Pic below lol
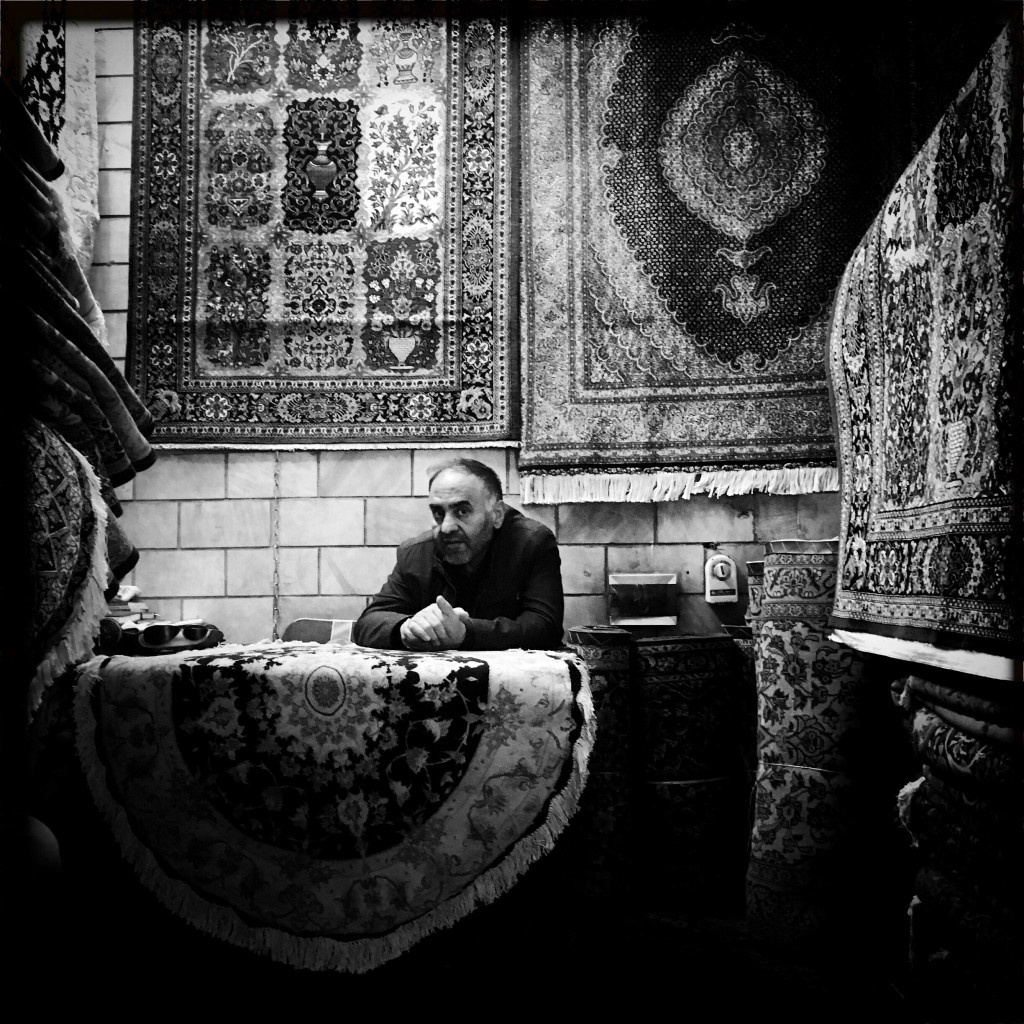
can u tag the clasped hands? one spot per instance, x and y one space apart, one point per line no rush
439 626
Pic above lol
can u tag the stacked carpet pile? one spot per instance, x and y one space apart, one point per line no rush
965 814
694 753
814 790
601 837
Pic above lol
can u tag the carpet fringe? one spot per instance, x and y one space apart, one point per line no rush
556 489
903 801
78 638
355 956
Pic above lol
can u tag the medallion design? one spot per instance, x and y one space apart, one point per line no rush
741 148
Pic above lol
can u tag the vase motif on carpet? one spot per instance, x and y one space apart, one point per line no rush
322 231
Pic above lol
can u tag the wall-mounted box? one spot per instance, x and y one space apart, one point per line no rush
642 598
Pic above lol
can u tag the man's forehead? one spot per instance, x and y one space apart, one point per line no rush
452 486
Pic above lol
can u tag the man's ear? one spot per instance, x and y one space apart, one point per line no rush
498 514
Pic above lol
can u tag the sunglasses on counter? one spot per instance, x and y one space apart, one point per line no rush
161 633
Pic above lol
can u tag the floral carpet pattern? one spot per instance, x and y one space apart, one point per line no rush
925 358
321 228
330 805
686 200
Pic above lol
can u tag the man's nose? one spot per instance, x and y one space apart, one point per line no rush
449 524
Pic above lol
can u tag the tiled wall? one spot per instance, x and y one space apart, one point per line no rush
205 522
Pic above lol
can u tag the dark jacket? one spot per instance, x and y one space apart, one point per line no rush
518 591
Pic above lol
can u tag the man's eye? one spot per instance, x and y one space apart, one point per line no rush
438 516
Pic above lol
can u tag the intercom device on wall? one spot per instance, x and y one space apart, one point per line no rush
720 582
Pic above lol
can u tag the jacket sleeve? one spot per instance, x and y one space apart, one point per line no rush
379 622
538 626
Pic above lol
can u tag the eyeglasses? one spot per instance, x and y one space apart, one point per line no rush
164 632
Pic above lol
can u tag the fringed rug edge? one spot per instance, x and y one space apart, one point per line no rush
356 956
669 485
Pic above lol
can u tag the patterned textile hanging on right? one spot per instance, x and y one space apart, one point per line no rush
925 371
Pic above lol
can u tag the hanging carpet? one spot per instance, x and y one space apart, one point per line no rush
321 228
925 356
690 197
329 806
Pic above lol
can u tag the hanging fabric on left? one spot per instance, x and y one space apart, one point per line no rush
58 86
321 227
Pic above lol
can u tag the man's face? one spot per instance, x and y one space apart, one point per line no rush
465 516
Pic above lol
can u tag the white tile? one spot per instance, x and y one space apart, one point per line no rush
701 518
109 285
321 522
582 569
114 98
115 50
115 193
370 474
164 607
126 491
151 524
590 610
242 620
182 475
602 522
250 572
180 573
389 521
355 570
117 333
112 242
298 570
235 523
546 514
115 146
250 474
298 474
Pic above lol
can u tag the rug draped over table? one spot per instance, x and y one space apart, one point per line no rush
331 805
688 199
321 229
925 357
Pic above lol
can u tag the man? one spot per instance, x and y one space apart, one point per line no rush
485 578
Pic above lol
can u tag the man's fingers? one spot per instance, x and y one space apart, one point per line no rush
421 628
462 614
